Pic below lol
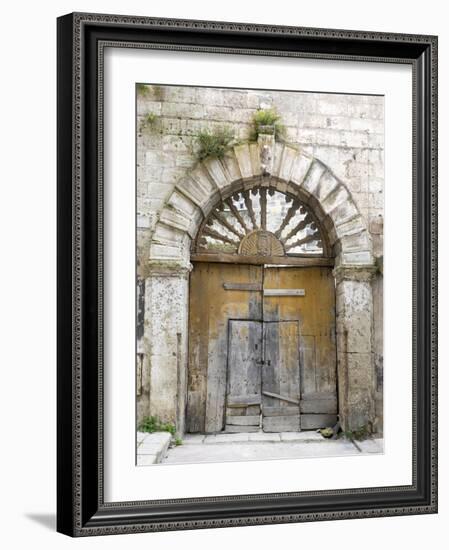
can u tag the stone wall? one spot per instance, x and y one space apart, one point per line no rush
343 131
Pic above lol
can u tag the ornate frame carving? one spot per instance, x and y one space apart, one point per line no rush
81 41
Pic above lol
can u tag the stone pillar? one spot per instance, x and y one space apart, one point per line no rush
165 339
378 348
355 365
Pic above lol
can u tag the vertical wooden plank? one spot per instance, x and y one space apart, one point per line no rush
281 376
326 367
216 373
308 364
244 361
289 382
271 368
198 350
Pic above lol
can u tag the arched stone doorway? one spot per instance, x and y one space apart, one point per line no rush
346 249
262 339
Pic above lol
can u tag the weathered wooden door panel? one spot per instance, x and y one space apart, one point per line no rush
290 423
244 360
280 377
211 306
307 353
298 306
319 403
244 377
314 421
315 311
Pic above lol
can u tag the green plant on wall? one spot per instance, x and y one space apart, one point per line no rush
214 144
151 424
149 121
267 121
142 89
150 91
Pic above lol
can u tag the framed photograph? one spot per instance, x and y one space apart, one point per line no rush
247 274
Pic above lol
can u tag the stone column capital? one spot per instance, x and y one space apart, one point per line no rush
157 268
361 273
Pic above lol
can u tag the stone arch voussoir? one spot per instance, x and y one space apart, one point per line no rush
277 165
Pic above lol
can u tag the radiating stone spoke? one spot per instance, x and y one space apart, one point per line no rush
304 240
221 219
249 207
291 212
219 237
237 215
298 227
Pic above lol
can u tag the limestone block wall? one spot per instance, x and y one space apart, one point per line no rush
344 132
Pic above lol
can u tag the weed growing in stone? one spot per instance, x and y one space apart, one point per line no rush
356 435
267 121
142 89
214 144
153 424
148 121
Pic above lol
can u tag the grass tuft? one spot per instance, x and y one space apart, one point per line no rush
151 424
267 121
214 144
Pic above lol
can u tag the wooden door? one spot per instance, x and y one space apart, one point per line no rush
297 307
281 377
243 396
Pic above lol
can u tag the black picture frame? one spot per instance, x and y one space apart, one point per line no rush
81 510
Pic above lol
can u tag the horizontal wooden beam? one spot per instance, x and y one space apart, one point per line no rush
299 261
280 411
281 397
242 286
319 406
243 400
243 420
284 292
281 423
266 291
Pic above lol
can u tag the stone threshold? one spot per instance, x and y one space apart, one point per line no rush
226 447
253 437
373 443
152 447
